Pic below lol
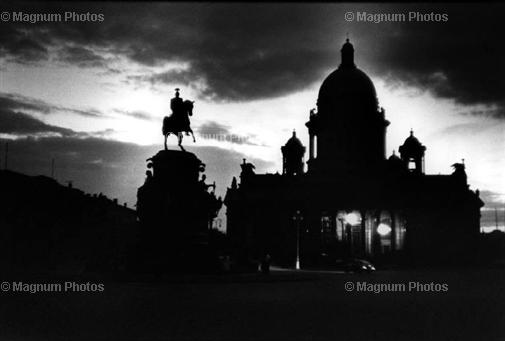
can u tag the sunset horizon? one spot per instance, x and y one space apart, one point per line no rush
95 102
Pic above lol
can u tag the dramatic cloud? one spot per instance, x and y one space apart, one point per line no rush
234 52
19 45
82 57
18 123
250 51
15 102
140 115
176 76
483 126
458 59
15 121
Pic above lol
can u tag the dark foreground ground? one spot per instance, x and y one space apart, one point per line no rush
281 306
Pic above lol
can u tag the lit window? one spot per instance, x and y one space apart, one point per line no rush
412 165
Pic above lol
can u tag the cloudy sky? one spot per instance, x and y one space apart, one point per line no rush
92 94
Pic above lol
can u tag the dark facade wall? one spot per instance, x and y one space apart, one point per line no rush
441 220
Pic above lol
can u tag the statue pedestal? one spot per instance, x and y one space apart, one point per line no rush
176 167
175 210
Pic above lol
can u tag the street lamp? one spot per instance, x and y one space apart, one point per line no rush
352 218
383 229
297 217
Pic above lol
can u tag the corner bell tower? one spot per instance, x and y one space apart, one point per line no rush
412 154
292 156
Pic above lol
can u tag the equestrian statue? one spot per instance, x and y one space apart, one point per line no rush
178 122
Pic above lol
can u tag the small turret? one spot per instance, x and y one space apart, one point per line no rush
292 156
412 154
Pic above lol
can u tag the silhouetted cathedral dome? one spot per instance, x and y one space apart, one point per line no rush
347 85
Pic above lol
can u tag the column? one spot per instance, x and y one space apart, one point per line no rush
333 224
311 146
363 232
393 230
375 236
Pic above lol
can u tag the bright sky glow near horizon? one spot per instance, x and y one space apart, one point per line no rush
107 81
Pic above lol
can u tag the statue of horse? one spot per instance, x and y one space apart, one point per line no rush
178 123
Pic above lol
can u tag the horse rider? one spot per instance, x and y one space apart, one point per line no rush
177 106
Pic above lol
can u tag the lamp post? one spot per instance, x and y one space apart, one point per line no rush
297 217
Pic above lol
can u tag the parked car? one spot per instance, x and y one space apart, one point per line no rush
355 265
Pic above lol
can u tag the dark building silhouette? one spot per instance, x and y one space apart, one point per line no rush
352 201
176 212
46 227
